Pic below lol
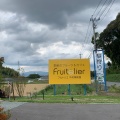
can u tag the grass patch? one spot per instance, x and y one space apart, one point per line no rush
113 77
63 89
67 99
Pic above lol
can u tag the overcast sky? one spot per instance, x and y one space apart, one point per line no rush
34 31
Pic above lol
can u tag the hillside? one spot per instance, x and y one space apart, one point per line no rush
41 73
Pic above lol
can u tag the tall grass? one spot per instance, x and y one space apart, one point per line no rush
113 77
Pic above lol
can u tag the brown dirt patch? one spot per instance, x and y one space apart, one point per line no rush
31 88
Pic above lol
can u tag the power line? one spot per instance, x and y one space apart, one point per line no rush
99 13
87 30
90 35
97 7
89 56
89 38
105 8
110 5
81 50
86 36
101 8
93 20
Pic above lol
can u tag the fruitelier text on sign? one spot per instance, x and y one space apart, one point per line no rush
69 71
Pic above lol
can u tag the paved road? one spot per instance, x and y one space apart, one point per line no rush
113 83
36 111
10 105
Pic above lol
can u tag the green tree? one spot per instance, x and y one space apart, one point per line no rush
92 74
97 36
33 76
109 40
1 61
9 72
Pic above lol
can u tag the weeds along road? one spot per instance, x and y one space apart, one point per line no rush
113 83
38 111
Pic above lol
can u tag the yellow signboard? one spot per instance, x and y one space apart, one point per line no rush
69 71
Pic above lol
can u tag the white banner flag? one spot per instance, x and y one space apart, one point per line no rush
99 66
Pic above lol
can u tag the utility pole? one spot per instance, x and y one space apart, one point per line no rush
94 20
80 55
84 86
18 65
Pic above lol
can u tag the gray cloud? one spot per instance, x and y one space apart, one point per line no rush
34 31
51 12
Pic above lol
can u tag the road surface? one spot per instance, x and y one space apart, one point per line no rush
39 111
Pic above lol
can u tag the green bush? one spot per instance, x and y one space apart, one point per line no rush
114 88
4 115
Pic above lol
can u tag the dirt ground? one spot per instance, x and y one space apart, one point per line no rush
31 88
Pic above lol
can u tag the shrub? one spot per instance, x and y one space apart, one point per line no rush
4 115
114 88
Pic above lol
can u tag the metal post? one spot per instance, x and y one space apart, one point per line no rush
9 89
95 72
43 94
84 84
54 90
104 73
85 91
94 27
13 91
95 47
69 91
80 55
